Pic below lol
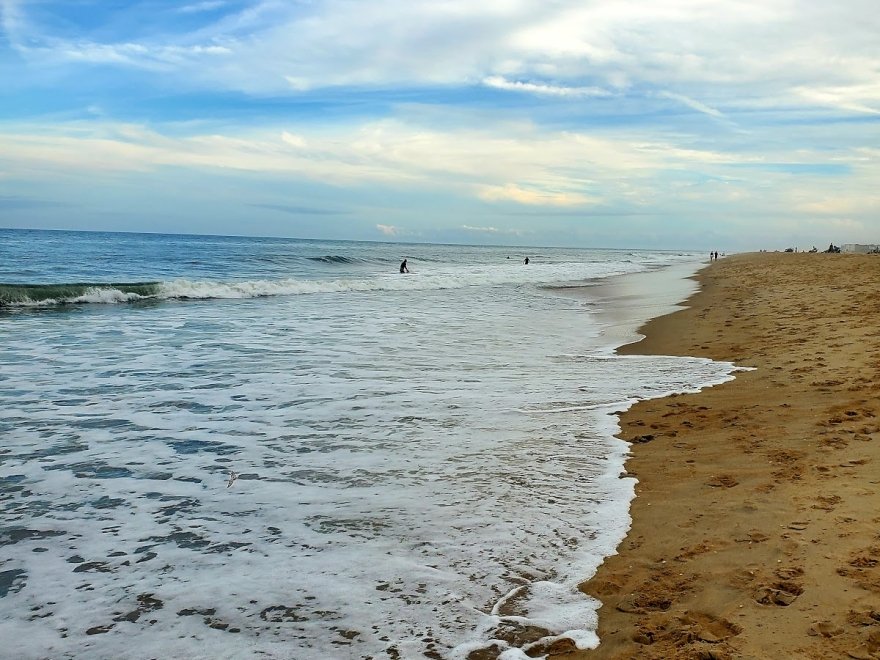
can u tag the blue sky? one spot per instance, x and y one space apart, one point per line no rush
728 125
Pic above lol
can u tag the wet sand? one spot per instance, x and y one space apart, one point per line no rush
756 526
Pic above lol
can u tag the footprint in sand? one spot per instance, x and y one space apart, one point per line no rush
778 593
709 628
825 629
784 591
722 481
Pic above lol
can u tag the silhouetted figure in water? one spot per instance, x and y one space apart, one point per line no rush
526 261
403 268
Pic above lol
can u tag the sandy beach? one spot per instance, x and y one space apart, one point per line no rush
755 526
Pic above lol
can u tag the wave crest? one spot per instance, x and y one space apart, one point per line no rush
30 295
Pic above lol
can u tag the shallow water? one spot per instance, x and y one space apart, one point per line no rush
419 462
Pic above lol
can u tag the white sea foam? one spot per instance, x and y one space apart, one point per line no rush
405 464
432 277
105 296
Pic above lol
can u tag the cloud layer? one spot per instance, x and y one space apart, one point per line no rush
688 112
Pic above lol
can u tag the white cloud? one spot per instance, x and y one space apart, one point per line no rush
547 169
751 52
783 73
298 84
532 197
858 98
837 206
499 82
491 230
481 170
296 141
692 103
134 54
539 167
12 17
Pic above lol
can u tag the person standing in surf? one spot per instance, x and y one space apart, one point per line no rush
403 268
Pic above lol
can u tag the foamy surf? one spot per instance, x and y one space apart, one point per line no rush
31 295
24 295
423 463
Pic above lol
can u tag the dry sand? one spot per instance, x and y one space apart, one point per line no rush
756 526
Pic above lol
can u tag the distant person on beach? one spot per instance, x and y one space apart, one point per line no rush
716 255
526 261
403 268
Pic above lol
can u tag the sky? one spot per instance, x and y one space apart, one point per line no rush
723 125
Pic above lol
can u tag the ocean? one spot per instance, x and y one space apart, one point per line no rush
227 447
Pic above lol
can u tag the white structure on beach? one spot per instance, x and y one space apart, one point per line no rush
859 248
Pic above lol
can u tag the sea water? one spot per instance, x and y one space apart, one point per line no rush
287 449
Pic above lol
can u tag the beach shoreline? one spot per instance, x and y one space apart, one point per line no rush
753 530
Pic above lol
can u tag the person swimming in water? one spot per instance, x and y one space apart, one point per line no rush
526 261
403 268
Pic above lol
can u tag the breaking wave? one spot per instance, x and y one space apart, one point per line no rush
25 295
37 295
